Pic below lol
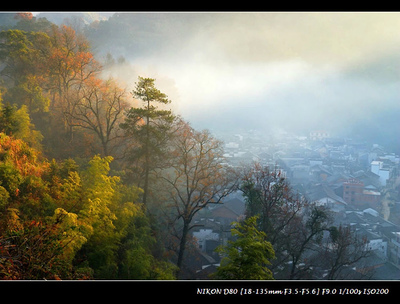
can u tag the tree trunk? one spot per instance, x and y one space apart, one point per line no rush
147 156
146 183
182 245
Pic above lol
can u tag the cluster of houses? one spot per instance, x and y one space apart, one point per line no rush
358 182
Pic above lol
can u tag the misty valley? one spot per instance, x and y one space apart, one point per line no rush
199 146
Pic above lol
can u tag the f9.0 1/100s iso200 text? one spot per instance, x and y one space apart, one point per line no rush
336 291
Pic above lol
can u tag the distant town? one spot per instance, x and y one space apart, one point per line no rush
358 182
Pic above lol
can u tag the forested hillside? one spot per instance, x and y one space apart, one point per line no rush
98 181
87 180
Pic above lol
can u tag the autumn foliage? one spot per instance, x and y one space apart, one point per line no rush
63 214
57 222
91 187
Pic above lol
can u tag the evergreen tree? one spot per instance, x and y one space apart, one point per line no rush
248 256
150 128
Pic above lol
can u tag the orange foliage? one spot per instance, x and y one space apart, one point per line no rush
27 16
24 158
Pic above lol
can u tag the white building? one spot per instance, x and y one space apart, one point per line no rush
395 248
376 243
204 235
319 135
377 168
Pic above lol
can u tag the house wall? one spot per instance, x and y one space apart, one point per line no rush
394 248
378 245
203 235
330 203
352 191
377 168
383 176
355 194
318 135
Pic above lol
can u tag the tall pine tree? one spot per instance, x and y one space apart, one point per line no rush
150 129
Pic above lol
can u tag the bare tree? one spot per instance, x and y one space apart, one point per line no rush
100 109
344 248
268 195
306 232
196 178
292 224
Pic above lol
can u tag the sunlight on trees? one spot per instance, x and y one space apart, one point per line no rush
92 187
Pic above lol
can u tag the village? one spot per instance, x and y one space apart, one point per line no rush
358 182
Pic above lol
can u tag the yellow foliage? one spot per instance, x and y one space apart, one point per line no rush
68 225
13 223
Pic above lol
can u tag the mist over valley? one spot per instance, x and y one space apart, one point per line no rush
200 145
296 71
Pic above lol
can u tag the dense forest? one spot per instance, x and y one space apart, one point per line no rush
87 180
97 182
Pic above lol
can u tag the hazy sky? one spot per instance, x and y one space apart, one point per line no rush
303 71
